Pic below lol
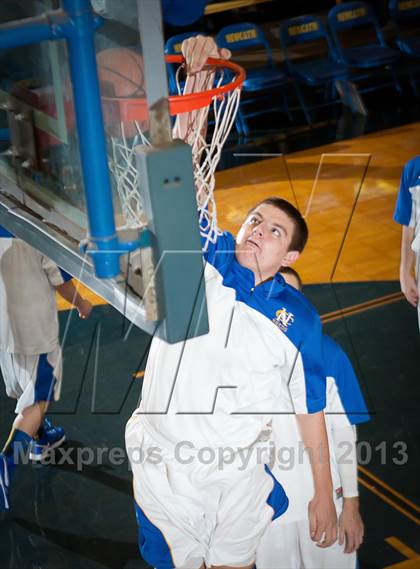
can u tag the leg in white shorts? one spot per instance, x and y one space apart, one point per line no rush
187 516
31 379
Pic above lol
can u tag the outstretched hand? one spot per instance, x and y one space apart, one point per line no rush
197 49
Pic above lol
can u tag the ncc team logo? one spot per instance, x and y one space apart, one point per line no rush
283 319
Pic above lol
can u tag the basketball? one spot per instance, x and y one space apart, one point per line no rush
121 74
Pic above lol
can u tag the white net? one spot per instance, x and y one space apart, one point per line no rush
125 176
208 130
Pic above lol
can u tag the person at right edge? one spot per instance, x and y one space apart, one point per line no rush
407 214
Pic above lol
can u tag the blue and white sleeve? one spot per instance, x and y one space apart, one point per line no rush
403 207
220 253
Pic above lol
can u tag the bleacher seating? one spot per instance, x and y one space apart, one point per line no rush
360 44
405 15
305 67
265 84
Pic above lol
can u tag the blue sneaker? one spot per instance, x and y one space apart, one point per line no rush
51 438
4 484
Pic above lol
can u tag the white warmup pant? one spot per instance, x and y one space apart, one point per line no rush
30 379
188 515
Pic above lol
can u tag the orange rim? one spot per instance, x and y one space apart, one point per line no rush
136 109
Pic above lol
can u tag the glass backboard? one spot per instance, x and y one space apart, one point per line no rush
42 182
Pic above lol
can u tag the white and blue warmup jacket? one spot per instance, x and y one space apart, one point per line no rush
216 393
261 357
407 209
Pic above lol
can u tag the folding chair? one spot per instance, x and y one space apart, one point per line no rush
405 16
371 56
312 71
260 81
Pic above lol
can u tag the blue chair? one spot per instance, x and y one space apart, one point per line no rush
405 16
306 69
371 56
260 81
173 47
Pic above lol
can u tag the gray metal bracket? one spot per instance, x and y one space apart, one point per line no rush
168 193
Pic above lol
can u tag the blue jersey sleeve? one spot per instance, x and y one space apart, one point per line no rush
409 178
312 360
220 253
338 366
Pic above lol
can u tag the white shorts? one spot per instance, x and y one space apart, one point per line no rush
289 546
188 515
30 379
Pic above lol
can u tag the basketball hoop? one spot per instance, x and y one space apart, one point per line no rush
126 121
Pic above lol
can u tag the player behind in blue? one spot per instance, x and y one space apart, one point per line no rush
287 543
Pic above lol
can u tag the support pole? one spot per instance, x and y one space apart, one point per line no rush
87 103
77 24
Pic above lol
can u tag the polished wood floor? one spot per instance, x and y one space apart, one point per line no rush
347 191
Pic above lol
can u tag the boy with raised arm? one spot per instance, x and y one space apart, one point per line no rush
204 495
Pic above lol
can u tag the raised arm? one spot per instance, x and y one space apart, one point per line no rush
192 128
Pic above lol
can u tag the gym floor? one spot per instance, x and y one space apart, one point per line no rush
78 512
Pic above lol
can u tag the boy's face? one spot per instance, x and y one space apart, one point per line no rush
262 244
